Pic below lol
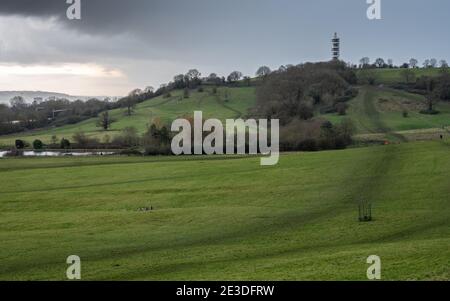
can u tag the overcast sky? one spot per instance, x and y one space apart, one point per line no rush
120 45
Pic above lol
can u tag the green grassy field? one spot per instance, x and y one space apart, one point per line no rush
227 103
228 218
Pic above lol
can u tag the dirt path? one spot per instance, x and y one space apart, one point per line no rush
373 115
223 104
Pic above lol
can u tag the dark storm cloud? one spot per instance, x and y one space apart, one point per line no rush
32 7
173 18
131 29
98 16
158 29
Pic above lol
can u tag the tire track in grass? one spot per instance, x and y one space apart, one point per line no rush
224 105
381 164
374 116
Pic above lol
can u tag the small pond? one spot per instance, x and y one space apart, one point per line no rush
56 153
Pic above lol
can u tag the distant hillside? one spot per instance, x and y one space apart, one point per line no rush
226 103
29 96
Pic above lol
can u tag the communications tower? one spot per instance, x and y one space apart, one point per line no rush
336 47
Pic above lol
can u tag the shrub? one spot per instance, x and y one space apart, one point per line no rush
65 144
131 152
308 145
128 138
341 108
157 141
349 94
157 149
54 140
186 93
37 144
81 139
20 144
405 114
306 111
106 139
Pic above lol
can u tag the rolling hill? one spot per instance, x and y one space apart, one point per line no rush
376 111
227 103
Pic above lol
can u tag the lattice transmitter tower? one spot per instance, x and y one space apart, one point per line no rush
336 47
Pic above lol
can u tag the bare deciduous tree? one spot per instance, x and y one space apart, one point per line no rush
364 61
413 63
104 121
263 71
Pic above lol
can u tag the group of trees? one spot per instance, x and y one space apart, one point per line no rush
299 90
38 144
365 63
155 141
192 79
435 89
20 115
294 94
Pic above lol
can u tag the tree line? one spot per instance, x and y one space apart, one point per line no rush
365 63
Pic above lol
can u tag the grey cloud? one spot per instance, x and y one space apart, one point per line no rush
222 34
32 7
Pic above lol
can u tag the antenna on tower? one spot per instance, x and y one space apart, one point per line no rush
336 42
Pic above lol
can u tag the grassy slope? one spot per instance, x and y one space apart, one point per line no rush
380 110
229 218
239 101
